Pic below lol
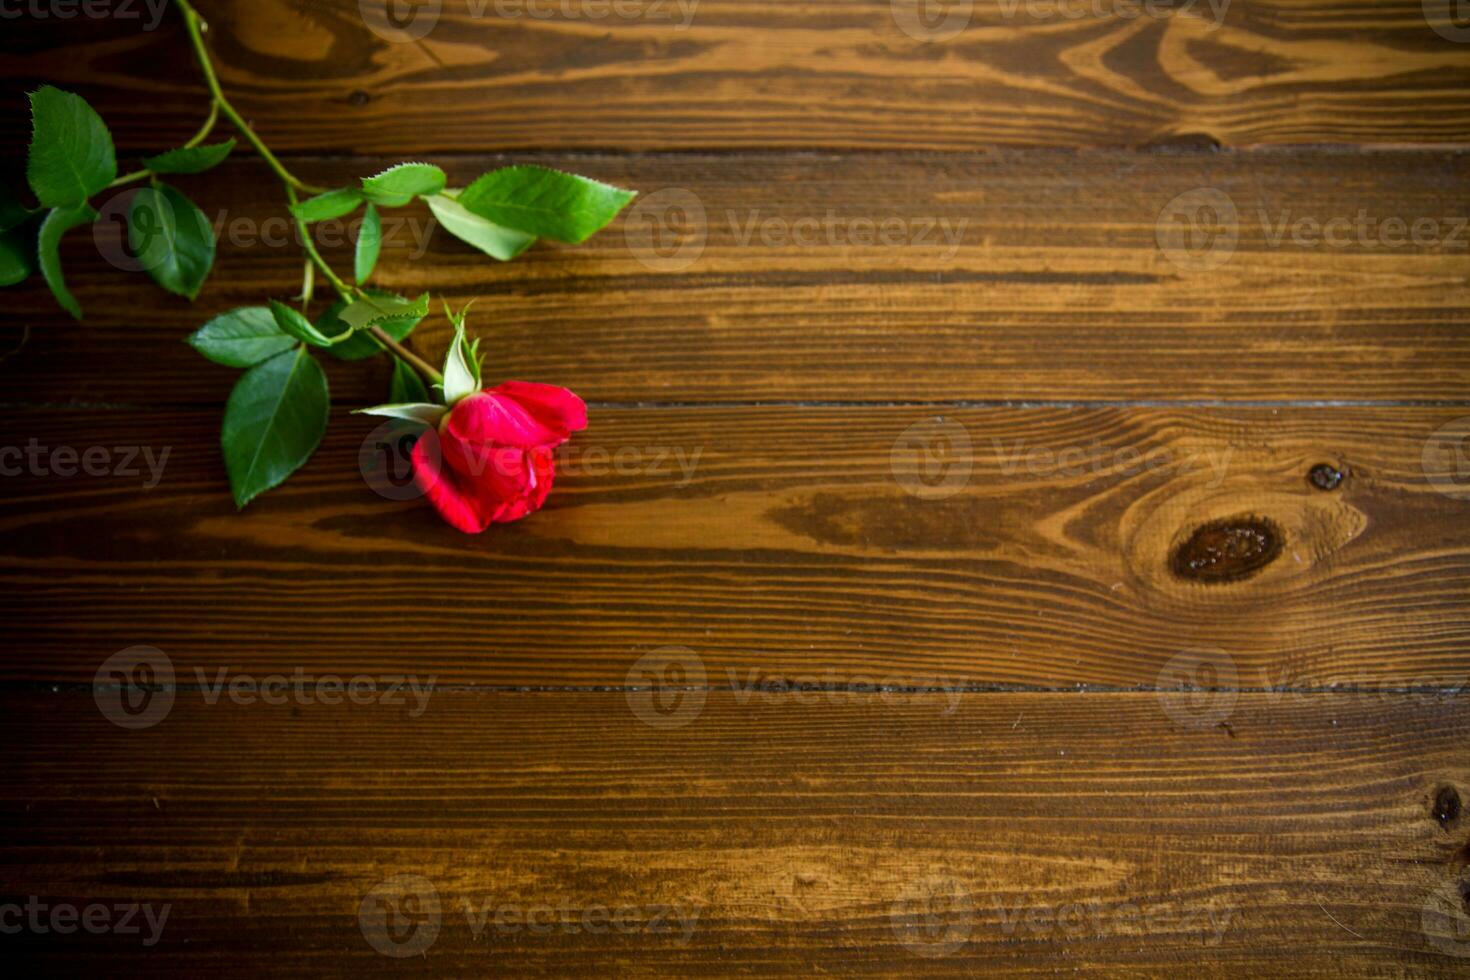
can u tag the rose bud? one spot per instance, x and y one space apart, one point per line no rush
491 458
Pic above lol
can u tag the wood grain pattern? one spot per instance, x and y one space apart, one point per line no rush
839 74
1032 276
892 835
985 558
774 542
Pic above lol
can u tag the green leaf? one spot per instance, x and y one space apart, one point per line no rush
300 327
422 412
172 239
332 204
58 223
274 420
18 249
361 345
545 202
190 159
407 387
369 242
497 242
17 258
375 309
460 379
71 156
242 337
396 186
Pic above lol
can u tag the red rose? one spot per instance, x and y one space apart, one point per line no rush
491 458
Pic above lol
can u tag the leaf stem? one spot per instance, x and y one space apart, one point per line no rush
308 283
308 243
136 175
196 28
194 141
348 293
208 126
418 363
220 104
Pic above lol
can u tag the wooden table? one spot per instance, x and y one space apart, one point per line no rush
1009 537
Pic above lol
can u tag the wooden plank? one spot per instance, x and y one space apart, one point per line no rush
1020 834
776 543
1034 276
841 74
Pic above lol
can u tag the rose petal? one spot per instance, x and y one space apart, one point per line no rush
472 488
557 409
489 420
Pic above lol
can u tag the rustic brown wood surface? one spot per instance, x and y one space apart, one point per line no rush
1022 527
1038 276
1019 833
848 74
778 543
